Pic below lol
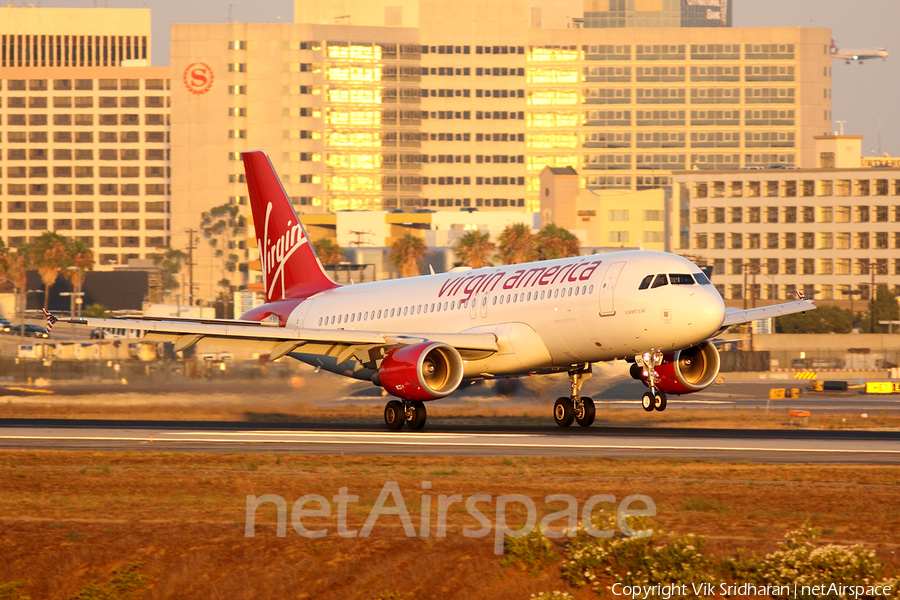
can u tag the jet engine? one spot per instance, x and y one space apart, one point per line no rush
420 372
685 371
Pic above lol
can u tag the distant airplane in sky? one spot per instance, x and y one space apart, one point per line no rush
857 54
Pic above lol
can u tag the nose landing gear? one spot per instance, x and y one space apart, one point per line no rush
654 398
575 408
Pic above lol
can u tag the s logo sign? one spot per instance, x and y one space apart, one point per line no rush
198 78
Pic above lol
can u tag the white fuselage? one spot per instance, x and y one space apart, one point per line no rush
545 314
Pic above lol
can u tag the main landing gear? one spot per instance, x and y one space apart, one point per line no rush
654 398
575 408
397 412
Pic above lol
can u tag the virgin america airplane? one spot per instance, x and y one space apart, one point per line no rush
420 338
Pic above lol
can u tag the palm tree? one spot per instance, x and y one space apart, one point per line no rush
517 244
50 254
406 253
556 242
475 248
328 251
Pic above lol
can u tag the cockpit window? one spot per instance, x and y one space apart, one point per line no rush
645 282
681 279
660 281
702 279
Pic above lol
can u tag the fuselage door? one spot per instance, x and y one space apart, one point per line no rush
608 288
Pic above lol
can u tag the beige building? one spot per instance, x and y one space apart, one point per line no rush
605 218
828 232
85 130
431 104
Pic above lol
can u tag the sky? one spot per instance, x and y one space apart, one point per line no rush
861 93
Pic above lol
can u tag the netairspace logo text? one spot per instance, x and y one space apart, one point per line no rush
830 590
554 525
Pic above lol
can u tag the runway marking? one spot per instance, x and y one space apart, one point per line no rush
31 390
460 444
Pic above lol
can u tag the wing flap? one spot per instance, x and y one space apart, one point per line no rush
189 333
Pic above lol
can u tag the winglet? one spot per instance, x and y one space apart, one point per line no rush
801 295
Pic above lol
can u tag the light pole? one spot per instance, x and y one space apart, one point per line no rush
78 292
852 293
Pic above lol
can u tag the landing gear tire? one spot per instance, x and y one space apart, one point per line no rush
416 416
394 415
563 412
647 401
587 413
659 401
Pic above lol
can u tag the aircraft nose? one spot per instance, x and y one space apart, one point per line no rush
707 310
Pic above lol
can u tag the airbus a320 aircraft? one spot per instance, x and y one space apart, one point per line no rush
420 338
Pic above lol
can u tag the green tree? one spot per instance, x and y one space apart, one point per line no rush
407 254
14 267
220 226
328 251
52 253
825 319
517 245
885 310
169 262
474 249
556 242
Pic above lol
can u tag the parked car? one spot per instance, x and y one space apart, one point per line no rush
30 330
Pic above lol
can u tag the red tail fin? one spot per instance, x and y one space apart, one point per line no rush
289 263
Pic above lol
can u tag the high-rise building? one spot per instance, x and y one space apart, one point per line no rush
85 130
439 105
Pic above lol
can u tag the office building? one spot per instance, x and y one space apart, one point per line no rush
829 233
85 130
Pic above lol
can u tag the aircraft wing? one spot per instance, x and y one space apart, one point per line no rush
736 316
278 341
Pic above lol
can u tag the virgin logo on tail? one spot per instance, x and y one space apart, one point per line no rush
278 251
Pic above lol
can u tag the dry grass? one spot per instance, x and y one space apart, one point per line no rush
68 518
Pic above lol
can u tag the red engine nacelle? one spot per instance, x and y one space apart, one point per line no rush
421 372
686 371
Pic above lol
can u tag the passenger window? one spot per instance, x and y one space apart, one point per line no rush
452 304
542 294
379 314
556 293
681 279
445 306
660 281
419 309
591 290
332 319
405 310
432 307
392 312
339 319
529 296
576 291
352 318
320 320
570 291
494 301
645 282
359 317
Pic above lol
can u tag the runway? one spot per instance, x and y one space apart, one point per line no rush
728 445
